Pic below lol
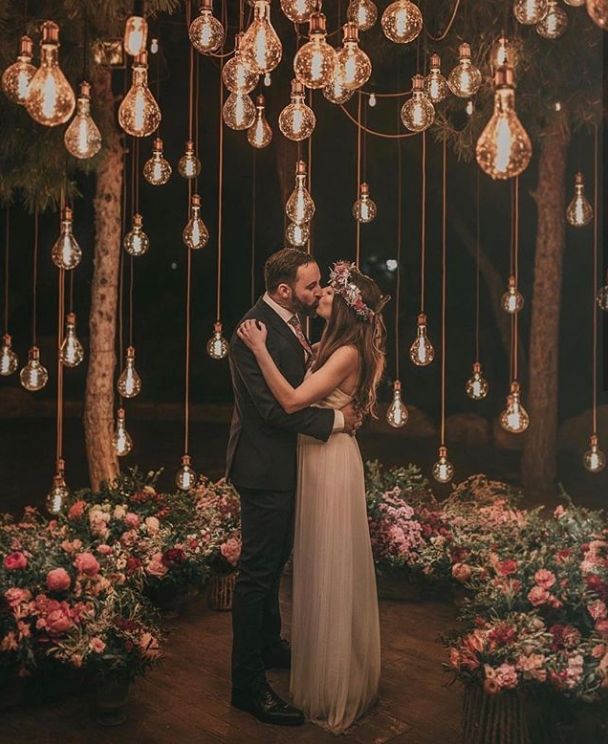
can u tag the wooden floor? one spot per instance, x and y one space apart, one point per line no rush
184 700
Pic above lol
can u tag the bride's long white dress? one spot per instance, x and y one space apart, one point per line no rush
335 634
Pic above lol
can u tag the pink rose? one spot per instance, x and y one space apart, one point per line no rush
77 509
97 645
538 596
156 567
544 578
15 596
132 520
58 580
602 627
559 512
15 561
58 620
597 609
152 525
506 676
87 564
461 572
507 567
231 551
104 549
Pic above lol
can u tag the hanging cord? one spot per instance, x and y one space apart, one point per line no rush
515 268
423 221
444 251
477 257
60 315
35 279
253 221
399 241
358 225
310 241
220 194
360 126
448 28
7 255
196 113
596 217
190 76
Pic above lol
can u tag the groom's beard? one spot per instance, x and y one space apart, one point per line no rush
300 308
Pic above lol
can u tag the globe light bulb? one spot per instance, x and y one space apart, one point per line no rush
402 21
237 77
298 11
579 212
136 35
555 22
335 92
206 32
363 13
297 120
195 233
297 235
50 99
189 166
477 386
261 47
602 295
504 149
33 376
418 113
136 242
186 476
530 12
300 207
504 53
121 440
575 3
443 470
422 352
157 170
129 382
58 496
154 46
364 209
465 78
66 252
316 61
217 346
512 300
397 414
435 84
239 111
267 80
372 101
71 352
83 138
8 359
470 107
17 77
598 12
594 459
354 67
259 134
514 418
138 113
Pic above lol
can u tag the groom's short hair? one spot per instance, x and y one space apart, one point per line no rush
282 267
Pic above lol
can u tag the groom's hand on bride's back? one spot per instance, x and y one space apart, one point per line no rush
353 418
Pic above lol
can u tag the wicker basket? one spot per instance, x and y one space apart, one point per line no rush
221 590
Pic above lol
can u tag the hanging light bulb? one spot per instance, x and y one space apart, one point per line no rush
512 300
267 80
316 61
418 113
470 107
297 235
297 120
575 3
598 11
594 459
33 376
465 78
397 414
477 386
261 47
83 138
555 23
129 382
353 65
504 149
157 170
71 352
435 84
239 111
138 113
186 476
335 92
154 46
422 352
364 209
217 346
514 418
206 32
363 13
58 496
579 212
136 242
8 359
504 53
237 77
402 21
195 233
189 166
602 295
300 207
17 77
259 134
372 100
298 11
50 99
121 441
443 470
530 12
136 35
66 252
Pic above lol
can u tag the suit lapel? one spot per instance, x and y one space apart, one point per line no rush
280 326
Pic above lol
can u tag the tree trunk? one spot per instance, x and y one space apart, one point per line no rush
99 400
539 462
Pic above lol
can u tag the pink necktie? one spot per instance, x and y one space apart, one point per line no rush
295 322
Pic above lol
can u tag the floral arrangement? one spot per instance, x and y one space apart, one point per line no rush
219 507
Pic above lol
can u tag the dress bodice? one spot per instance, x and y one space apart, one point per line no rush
336 399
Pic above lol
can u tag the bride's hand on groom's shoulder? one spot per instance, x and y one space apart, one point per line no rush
253 334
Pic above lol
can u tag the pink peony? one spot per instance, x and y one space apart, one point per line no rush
132 520
538 596
507 567
58 580
461 572
156 567
15 596
97 645
602 627
506 676
77 509
231 551
544 578
58 620
15 561
87 564
104 549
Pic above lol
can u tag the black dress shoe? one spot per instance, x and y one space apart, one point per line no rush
263 703
278 656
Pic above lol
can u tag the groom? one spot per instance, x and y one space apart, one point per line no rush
261 464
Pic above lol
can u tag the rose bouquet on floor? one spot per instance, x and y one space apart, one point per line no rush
218 507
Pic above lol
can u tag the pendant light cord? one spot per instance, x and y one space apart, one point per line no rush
422 220
444 250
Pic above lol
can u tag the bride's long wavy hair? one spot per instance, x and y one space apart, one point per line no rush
368 336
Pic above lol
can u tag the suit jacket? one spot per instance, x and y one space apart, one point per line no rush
262 445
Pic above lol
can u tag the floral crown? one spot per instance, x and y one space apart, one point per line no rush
340 281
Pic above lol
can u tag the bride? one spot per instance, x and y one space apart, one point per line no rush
335 628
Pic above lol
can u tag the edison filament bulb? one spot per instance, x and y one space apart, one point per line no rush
579 212
514 418
217 346
300 207
354 67
530 12
364 209
602 295
129 382
316 61
83 138
121 441
237 77
186 476
372 100
594 459
443 470
297 120
402 21
418 113
598 12
363 13
504 53
206 32
17 77
157 170
555 22
66 252
195 233
504 149
71 352
189 166
33 376
136 35
422 352
136 242
261 47
58 496
297 235
259 134
512 300
335 92
239 111
397 414
477 386
138 113
8 359
298 11
435 84
465 78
